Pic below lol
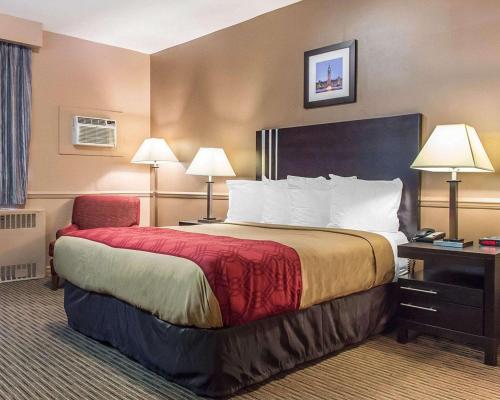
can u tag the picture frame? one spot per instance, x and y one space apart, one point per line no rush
330 74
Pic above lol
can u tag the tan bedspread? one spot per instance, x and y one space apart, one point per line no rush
334 263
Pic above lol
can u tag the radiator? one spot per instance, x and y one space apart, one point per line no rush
22 245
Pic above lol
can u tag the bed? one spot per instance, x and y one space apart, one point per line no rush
166 298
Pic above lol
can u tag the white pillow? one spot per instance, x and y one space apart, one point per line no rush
338 178
366 205
276 206
245 201
309 200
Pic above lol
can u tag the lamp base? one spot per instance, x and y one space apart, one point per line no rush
209 220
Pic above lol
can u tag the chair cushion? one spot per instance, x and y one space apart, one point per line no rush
66 229
93 211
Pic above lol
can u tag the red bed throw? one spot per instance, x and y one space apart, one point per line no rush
251 279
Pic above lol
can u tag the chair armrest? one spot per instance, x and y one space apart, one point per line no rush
66 230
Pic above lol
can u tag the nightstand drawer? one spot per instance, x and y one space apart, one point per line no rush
445 315
413 290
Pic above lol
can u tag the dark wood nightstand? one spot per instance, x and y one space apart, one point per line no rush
196 222
189 222
456 295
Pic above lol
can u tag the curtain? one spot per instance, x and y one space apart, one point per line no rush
15 121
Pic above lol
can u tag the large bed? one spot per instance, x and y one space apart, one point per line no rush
219 307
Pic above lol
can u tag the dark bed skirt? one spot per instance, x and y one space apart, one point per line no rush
219 362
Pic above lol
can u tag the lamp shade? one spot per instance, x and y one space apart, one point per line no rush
210 161
153 151
453 148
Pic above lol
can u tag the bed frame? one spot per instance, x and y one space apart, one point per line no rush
220 362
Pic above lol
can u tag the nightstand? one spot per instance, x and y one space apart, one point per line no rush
196 222
189 222
456 295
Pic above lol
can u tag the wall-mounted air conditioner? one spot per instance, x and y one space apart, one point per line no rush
22 245
91 131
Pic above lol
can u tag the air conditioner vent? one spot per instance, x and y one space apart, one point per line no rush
91 131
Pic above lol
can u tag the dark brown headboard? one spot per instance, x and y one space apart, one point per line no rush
377 148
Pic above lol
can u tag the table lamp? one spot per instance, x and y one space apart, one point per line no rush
453 148
154 151
210 161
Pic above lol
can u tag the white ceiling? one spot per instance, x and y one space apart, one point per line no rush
147 26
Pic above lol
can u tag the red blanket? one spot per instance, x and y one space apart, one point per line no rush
251 279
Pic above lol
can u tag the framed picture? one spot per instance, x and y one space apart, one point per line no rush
330 75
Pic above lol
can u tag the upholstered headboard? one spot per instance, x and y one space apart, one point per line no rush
377 148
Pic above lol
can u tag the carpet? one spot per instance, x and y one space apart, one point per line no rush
41 358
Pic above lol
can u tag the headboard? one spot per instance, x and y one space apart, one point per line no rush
377 148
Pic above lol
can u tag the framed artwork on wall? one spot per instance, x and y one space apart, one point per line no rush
330 75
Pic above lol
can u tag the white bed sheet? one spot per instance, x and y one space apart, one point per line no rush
395 239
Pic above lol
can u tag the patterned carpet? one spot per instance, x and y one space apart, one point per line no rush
41 358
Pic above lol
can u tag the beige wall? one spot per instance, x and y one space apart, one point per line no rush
437 57
173 209
22 31
70 72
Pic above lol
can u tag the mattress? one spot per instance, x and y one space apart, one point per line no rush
210 276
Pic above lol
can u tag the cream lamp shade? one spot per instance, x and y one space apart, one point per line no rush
453 148
210 161
153 151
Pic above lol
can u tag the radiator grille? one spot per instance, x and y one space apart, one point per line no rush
19 271
17 221
22 244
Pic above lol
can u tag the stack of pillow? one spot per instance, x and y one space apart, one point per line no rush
338 202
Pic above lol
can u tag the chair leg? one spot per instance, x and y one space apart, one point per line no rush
54 276
55 282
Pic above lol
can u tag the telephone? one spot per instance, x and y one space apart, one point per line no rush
428 235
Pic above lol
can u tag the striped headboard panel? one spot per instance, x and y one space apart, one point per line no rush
267 153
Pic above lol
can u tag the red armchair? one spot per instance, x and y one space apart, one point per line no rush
95 211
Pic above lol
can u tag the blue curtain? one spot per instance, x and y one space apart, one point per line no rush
15 121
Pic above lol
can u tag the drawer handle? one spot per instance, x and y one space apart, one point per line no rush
419 307
418 290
